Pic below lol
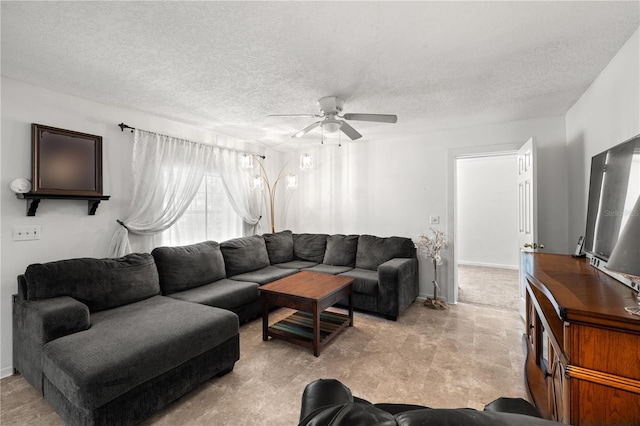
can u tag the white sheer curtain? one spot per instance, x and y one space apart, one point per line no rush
210 216
238 186
167 173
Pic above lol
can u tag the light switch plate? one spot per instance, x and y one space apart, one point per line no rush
27 232
434 220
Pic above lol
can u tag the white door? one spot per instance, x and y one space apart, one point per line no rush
527 208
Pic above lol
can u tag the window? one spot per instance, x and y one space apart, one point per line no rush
208 217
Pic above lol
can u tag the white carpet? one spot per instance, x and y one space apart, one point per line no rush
495 287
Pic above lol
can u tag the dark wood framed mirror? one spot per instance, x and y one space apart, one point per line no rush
65 162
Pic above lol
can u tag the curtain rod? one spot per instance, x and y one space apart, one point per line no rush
125 126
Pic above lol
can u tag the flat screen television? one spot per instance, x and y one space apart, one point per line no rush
614 187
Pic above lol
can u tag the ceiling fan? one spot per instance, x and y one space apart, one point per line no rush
332 121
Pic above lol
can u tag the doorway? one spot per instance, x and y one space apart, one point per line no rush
486 229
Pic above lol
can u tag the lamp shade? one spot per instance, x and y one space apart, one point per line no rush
292 181
245 161
257 183
625 257
306 162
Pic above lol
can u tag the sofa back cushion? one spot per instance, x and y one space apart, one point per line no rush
98 283
309 247
279 246
244 254
374 251
186 267
341 250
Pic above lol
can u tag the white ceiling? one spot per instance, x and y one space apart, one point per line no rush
225 66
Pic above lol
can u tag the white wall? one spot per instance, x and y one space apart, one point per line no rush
391 187
607 114
67 230
487 211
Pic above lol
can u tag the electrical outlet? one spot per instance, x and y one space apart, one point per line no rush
27 232
434 220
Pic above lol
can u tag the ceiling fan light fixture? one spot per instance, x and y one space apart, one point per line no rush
332 122
331 125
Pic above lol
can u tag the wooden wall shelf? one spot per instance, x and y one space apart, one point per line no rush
33 201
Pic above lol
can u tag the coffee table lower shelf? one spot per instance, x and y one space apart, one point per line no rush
297 328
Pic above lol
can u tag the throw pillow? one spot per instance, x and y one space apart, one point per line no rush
185 267
98 283
309 247
244 254
341 250
279 246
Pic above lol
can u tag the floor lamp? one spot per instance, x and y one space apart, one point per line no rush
261 179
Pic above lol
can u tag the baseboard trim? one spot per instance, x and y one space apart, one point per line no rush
487 265
6 372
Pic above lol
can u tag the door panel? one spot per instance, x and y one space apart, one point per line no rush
527 208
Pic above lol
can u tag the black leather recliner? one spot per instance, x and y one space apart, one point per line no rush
327 402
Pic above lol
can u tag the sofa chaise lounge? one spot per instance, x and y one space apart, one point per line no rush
106 348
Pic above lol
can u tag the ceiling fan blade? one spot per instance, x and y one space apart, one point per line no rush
293 115
350 131
306 129
380 118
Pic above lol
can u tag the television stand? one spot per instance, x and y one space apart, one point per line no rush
583 364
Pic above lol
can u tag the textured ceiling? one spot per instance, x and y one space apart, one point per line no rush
226 65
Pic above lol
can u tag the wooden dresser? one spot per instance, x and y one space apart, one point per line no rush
583 348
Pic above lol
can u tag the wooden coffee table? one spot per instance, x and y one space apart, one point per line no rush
311 293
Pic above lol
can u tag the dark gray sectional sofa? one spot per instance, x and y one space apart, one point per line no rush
227 275
385 269
111 341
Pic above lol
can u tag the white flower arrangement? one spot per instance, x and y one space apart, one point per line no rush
429 246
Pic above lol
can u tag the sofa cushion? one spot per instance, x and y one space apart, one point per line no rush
329 269
374 251
182 268
225 294
341 250
132 344
279 246
98 283
309 247
244 254
366 281
265 275
296 264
